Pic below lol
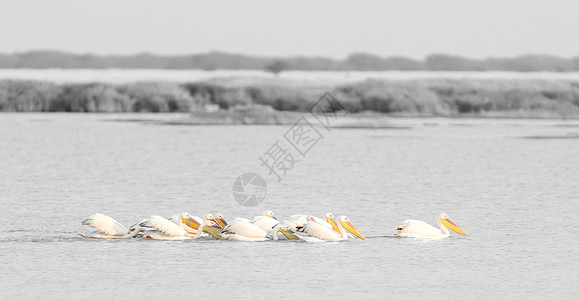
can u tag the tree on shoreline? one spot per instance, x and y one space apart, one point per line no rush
276 66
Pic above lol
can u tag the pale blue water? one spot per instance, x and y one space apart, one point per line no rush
517 198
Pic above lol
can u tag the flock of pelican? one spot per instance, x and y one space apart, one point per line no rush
261 228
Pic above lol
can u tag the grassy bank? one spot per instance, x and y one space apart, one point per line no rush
239 102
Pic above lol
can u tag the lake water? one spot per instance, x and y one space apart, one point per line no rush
513 185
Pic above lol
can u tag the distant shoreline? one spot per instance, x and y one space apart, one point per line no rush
220 60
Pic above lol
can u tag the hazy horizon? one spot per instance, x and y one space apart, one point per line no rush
282 29
39 50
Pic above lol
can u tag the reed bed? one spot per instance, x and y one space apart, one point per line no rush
418 97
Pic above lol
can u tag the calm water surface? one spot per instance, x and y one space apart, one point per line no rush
513 185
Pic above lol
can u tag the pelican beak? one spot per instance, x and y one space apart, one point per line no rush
450 225
334 224
216 222
221 221
192 223
352 229
212 219
289 234
213 230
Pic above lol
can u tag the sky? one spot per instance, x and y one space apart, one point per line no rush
412 28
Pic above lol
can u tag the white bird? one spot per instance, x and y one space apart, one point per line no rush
337 232
269 213
163 229
266 221
423 230
220 220
243 230
210 226
187 222
106 228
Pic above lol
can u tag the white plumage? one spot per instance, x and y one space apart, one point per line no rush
417 228
322 232
244 228
265 223
106 227
423 230
164 226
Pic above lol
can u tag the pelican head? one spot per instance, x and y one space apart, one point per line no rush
210 220
446 222
345 222
286 231
269 213
330 219
210 226
221 220
184 216
315 220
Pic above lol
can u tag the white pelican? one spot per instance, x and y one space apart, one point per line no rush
243 230
163 229
187 222
210 226
220 220
423 230
335 233
106 228
267 221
